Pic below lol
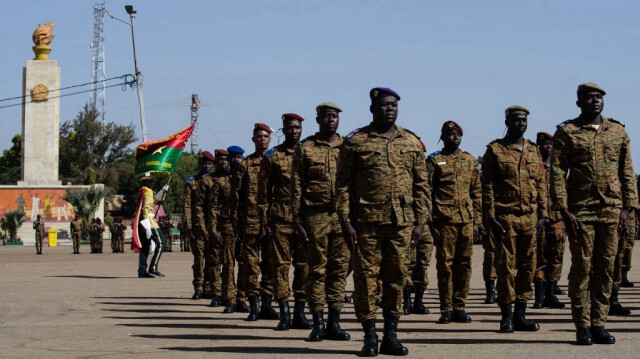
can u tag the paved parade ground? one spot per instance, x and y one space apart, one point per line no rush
60 305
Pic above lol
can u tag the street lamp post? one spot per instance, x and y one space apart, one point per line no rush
132 14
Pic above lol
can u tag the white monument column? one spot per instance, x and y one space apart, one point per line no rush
40 116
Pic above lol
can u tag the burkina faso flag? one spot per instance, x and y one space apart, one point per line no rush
161 155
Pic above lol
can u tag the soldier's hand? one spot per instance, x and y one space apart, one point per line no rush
479 229
570 222
496 227
416 235
349 234
623 222
302 234
217 236
205 234
540 225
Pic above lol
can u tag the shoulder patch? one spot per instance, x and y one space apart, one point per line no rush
190 179
564 123
271 151
616 121
353 132
433 154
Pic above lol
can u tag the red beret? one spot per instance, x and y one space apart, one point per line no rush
262 126
207 156
221 152
450 125
541 136
291 116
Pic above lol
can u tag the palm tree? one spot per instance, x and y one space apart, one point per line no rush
11 221
86 201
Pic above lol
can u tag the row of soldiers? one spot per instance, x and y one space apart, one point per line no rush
370 202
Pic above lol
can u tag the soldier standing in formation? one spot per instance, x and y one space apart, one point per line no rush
316 220
382 206
456 202
515 203
118 234
249 214
76 232
287 246
197 211
95 231
549 241
38 225
184 235
167 230
592 183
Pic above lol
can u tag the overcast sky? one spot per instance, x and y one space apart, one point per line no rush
251 61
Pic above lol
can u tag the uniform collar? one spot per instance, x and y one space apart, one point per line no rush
319 140
581 122
399 131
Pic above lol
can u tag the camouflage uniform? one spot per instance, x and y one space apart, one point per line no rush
114 237
287 247
623 248
184 236
76 232
382 188
222 222
198 212
167 232
599 185
95 230
489 257
514 193
314 206
38 225
249 190
550 243
456 206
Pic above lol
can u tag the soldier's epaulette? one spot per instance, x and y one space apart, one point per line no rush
413 133
532 143
492 142
433 154
309 138
190 179
564 123
350 134
616 121
271 151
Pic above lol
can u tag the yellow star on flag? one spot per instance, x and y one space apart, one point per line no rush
159 150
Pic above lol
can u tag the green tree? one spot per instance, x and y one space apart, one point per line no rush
86 201
10 162
11 222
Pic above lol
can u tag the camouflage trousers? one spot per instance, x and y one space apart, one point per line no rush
254 248
419 259
168 237
206 256
288 249
213 266
550 251
515 257
489 258
593 251
625 246
96 243
76 240
228 259
453 255
185 241
381 250
241 282
328 259
38 243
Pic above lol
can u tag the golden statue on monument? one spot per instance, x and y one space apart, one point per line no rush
42 37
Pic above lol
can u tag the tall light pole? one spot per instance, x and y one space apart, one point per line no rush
132 14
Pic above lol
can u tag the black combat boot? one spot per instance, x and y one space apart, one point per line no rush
556 290
406 300
229 308
445 317
490 287
460 316
215 301
601 336
370 347
625 279
197 294
299 319
506 323
242 307
334 332
317 331
390 344
520 322
347 298
418 306
539 287
285 316
266 311
550 299
254 308
615 308
583 336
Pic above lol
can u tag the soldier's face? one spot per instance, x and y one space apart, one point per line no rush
516 124
236 157
223 162
292 130
590 103
328 121
261 139
385 110
451 139
206 166
545 148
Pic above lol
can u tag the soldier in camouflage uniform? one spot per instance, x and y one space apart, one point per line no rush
626 236
288 248
114 236
167 231
514 202
223 227
314 213
120 228
595 201
38 225
76 232
249 214
197 211
456 202
184 235
382 196
96 230
550 241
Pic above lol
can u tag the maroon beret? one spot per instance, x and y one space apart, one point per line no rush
451 125
221 152
262 126
542 136
292 116
207 156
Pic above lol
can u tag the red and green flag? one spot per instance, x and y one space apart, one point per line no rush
161 155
